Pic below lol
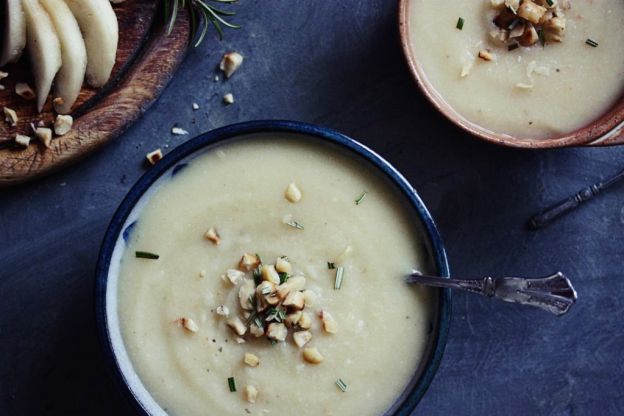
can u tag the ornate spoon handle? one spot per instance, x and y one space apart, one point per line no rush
553 293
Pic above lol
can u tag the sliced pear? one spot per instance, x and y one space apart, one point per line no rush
69 79
44 48
98 23
14 36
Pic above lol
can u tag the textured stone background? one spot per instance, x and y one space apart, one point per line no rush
339 64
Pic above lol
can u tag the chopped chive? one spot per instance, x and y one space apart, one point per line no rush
550 2
295 224
283 277
339 276
359 200
232 384
258 322
542 37
591 43
146 255
460 23
341 385
513 46
257 275
331 265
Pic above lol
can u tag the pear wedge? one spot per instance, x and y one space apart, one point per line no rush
98 23
44 48
14 32
69 79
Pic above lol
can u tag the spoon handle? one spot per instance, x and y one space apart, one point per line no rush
553 293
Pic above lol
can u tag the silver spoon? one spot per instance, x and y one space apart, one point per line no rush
552 293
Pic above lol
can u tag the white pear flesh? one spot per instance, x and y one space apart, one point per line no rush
98 23
68 81
14 32
44 48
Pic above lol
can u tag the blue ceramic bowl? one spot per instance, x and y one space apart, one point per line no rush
125 217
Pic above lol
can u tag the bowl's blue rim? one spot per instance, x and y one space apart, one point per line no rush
212 137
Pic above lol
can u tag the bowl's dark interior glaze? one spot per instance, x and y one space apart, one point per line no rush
407 401
606 130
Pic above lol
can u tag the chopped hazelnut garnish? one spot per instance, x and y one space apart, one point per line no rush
10 116
530 36
305 322
295 283
213 236
309 297
294 300
554 29
248 262
44 135
282 265
230 62
228 98
255 330
178 131
329 324
277 331
293 318
312 355
23 90
234 276
237 325
293 193
58 101
486 55
245 293
251 360
63 124
154 156
189 325
251 394
270 274
302 337
239 340
513 5
223 310
21 140
531 12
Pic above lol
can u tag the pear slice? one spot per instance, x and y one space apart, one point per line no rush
14 35
69 79
98 23
44 48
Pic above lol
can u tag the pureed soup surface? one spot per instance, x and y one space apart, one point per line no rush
577 83
239 189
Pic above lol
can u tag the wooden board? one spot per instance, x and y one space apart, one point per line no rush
146 61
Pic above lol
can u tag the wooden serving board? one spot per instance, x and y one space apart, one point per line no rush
146 61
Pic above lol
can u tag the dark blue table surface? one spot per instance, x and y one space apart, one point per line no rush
338 64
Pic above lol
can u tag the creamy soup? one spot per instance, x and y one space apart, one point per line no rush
535 91
330 214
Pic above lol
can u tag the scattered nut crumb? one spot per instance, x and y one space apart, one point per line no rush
523 86
63 124
277 331
202 273
44 135
3 74
486 55
195 106
234 276
23 90
58 101
251 360
312 355
1 87
239 340
293 193
270 274
178 131
237 325
10 116
305 322
302 337
213 236
251 394
189 325
230 62
223 310
282 265
294 300
228 98
154 156
329 324
21 140
248 262
216 78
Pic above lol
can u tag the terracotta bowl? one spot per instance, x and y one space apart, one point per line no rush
605 131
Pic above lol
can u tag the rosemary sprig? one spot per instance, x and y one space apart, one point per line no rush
203 13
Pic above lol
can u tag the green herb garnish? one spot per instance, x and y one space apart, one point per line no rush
339 277
283 277
460 23
550 2
513 24
331 265
202 13
257 275
295 224
591 43
146 255
232 384
542 37
359 200
341 385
